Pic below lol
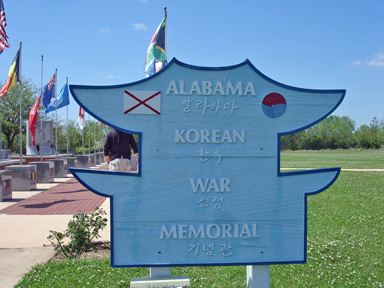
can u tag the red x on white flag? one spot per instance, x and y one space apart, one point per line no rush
142 102
81 119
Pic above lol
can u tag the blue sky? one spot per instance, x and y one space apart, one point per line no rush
327 44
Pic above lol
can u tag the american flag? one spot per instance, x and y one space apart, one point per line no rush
3 24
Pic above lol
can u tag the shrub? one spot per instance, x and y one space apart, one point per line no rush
81 230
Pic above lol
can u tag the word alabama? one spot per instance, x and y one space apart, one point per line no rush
209 88
210 231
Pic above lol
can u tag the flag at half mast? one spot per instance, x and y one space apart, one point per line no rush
62 100
49 91
156 57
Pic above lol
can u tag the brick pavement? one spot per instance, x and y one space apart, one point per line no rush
67 198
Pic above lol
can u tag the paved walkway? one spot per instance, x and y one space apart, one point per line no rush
67 198
26 219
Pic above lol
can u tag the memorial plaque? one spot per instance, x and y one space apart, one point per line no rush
209 190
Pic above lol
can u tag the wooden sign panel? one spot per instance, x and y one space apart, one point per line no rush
209 190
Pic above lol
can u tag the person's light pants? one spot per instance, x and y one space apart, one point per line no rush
122 165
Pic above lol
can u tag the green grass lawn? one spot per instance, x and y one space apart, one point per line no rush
344 248
347 159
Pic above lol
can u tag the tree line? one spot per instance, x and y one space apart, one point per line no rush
336 132
333 132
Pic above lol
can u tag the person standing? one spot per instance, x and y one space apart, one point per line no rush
117 150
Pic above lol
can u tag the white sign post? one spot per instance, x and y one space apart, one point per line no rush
258 276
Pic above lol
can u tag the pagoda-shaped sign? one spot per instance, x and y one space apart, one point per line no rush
209 189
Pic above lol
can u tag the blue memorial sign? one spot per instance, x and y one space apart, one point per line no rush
209 189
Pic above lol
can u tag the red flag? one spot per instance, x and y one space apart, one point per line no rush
33 118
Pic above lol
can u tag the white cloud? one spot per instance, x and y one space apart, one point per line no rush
114 77
377 60
356 63
105 31
139 26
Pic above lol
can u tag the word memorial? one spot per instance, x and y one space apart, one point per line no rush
209 190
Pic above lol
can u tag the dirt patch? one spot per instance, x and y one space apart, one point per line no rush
101 250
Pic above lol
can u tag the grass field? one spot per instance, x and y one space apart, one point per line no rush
348 159
344 247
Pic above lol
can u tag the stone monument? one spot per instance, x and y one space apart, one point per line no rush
44 129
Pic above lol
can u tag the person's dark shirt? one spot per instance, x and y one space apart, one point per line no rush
118 144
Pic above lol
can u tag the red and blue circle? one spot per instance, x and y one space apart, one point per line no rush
274 105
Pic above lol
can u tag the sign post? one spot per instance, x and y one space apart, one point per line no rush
222 199
258 276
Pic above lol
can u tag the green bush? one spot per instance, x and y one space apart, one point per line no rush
81 230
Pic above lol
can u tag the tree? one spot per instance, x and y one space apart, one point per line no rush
94 133
338 132
293 141
332 133
10 109
372 136
74 136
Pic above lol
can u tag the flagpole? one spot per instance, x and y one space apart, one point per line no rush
56 110
99 138
89 131
162 271
94 138
41 122
67 124
21 135
82 134
165 45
